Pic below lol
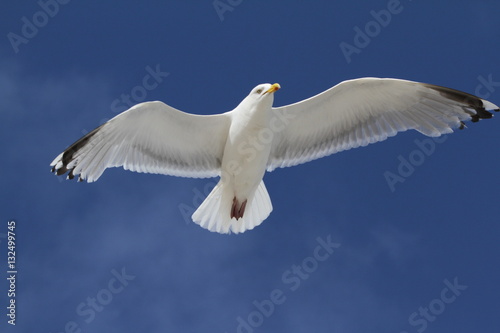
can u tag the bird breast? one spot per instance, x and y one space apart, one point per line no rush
246 153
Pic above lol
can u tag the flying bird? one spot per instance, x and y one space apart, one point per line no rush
239 146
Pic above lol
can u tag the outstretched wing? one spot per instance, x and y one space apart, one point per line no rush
358 112
150 137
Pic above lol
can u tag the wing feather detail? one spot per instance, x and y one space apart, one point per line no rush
150 137
359 112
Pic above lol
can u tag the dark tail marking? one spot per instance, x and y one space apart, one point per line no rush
238 210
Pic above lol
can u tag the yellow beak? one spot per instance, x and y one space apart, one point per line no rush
273 88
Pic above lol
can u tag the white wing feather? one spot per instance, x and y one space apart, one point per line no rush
150 137
358 112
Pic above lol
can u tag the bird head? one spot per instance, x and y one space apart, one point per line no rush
262 95
265 89
259 99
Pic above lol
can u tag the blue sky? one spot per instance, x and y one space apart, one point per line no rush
118 256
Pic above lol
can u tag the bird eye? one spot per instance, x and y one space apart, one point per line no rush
259 91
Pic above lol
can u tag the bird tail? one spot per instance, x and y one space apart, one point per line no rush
215 213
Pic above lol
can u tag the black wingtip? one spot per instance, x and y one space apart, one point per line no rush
481 114
68 155
469 101
61 171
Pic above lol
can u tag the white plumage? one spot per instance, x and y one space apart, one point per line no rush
240 145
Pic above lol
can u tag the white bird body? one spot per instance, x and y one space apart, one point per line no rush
240 145
243 166
245 170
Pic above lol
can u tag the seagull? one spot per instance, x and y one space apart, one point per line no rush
239 146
